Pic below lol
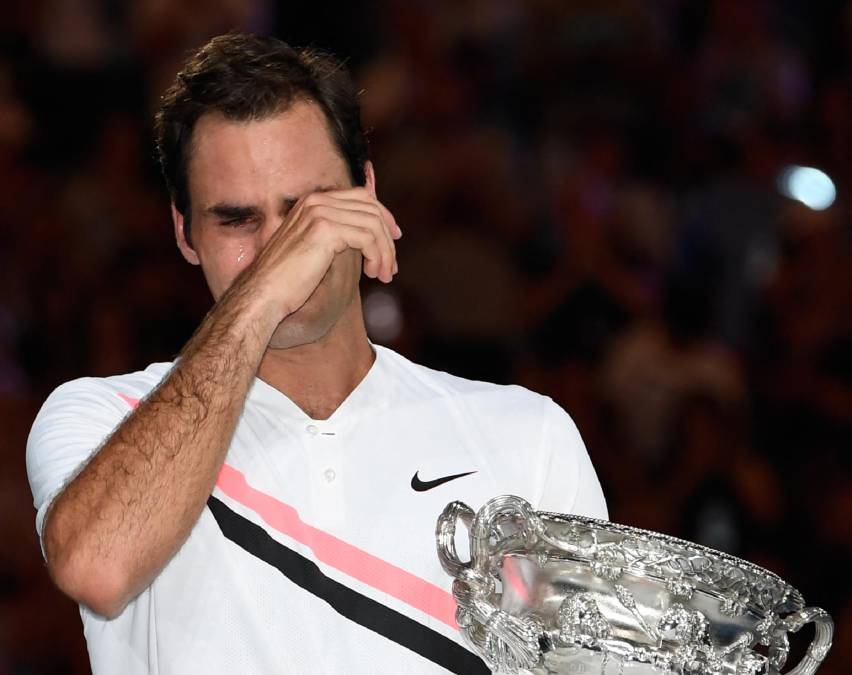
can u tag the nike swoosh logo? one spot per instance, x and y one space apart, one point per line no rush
423 485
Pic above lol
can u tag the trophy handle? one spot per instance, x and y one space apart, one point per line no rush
508 644
822 640
480 527
483 544
445 533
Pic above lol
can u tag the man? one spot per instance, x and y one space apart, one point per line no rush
267 502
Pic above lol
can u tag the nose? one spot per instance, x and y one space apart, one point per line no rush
271 223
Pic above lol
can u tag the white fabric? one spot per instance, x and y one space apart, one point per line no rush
217 609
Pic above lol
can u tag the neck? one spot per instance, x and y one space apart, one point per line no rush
319 376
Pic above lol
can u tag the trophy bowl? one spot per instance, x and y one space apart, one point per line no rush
552 593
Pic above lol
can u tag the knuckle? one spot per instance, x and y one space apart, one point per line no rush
321 226
312 210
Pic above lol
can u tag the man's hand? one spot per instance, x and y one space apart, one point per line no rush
320 226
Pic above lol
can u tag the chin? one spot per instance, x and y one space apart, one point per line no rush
331 301
309 324
290 334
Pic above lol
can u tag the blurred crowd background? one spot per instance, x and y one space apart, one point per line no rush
597 204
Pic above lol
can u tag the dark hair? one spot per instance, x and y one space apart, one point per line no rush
250 77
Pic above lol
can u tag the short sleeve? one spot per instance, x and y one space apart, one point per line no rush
570 482
71 425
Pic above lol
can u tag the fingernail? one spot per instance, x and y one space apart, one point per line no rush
395 268
398 232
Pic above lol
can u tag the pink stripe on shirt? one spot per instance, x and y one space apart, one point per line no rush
129 400
352 561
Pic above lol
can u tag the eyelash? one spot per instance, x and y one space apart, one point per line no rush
237 222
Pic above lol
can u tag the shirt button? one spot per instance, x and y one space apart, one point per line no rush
330 475
312 430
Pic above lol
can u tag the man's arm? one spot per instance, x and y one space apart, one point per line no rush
121 519
570 482
116 524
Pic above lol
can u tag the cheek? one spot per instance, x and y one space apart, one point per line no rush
223 262
243 256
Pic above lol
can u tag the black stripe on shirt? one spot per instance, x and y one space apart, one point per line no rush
345 601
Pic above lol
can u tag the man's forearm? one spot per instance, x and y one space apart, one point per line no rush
120 520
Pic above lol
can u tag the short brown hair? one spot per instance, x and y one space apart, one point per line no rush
249 77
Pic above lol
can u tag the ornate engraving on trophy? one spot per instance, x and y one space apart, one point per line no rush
548 593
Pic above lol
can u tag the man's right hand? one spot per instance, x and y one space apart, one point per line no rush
320 226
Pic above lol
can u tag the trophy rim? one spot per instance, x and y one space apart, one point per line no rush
790 594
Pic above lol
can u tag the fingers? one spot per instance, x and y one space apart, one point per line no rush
356 208
374 208
300 248
375 211
352 196
373 239
361 195
366 240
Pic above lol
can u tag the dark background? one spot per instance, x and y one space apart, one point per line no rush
589 197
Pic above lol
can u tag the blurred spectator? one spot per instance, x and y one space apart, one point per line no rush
659 363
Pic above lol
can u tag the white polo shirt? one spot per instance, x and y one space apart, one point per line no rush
315 553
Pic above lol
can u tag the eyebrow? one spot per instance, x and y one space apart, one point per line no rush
232 211
227 211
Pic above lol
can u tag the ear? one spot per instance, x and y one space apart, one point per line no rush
180 236
370 174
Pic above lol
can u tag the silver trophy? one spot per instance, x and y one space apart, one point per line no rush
552 593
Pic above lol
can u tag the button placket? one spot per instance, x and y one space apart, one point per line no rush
322 450
326 478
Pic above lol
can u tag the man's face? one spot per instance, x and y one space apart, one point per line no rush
243 178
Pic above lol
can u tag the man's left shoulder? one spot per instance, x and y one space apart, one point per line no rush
509 402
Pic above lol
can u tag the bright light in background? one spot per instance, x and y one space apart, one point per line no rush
383 315
810 186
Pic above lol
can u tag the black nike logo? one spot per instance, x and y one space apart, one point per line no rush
423 485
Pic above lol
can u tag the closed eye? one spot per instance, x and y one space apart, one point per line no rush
238 222
235 216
